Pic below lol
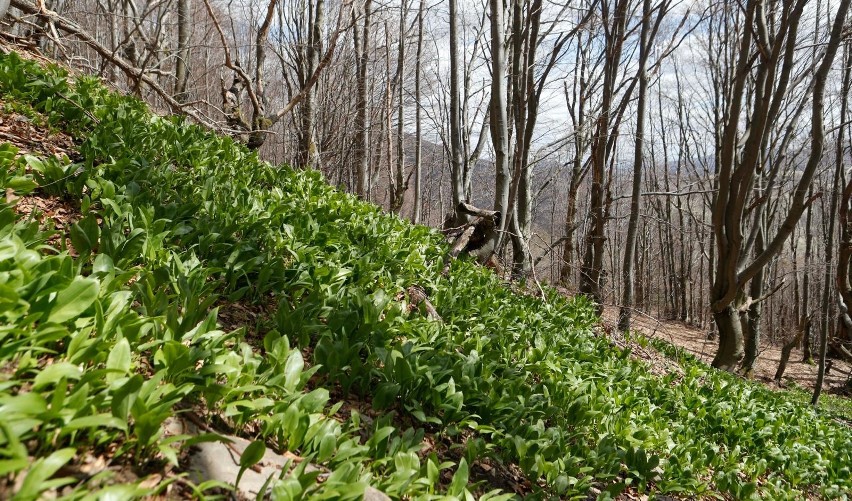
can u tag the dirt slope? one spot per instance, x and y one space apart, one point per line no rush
695 342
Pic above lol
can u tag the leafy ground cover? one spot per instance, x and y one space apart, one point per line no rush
111 329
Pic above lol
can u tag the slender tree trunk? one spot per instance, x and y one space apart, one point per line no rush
591 272
418 133
566 273
400 183
806 283
526 94
498 116
183 55
754 313
361 39
638 149
844 262
788 348
309 154
456 152
578 168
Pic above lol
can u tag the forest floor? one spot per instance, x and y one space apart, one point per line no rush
802 374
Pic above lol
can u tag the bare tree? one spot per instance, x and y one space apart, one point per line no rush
614 23
256 129
766 59
839 204
361 39
399 181
646 37
499 111
183 52
579 101
418 120
844 268
308 61
457 163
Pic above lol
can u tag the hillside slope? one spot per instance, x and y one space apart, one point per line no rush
109 329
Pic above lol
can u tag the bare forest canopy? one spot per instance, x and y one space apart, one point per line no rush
684 159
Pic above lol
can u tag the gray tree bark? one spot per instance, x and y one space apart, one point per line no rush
399 183
806 285
183 52
498 116
418 133
361 39
456 152
628 275
309 154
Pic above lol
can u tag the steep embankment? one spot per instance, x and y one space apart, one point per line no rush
108 332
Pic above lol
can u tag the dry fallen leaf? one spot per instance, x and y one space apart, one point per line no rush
151 481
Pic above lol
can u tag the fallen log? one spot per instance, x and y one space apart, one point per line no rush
475 231
417 296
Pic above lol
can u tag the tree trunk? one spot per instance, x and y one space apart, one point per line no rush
751 325
361 38
418 133
633 224
788 348
498 116
400 183
591 272
456 153
183 55
567 271
844 259
579 167
730 350
309 154
806 284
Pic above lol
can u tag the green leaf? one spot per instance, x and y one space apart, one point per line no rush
99 421
85 234
8 249
119 360
326 448
12 465
21 185
253 454
43 469
75 299
385 395
124 396
459 482
27 403
250 457
103 265
53 373
293 370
